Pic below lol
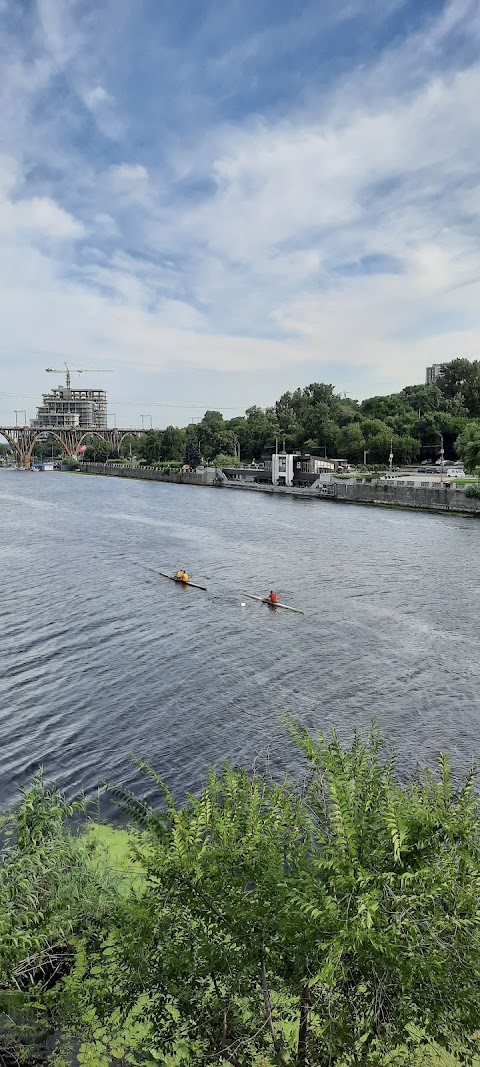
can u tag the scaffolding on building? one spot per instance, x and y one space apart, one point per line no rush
70 409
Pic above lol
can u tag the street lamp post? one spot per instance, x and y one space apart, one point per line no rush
441 456
21 411
111 415
366 452
146 417
390 458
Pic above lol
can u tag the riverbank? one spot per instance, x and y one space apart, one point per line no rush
379 494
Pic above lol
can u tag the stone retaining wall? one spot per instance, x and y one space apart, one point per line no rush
378 494
150 474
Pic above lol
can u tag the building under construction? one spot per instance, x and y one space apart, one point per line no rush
65 408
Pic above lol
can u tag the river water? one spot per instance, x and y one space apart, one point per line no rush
101 658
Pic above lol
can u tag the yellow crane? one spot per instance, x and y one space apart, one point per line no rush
69 371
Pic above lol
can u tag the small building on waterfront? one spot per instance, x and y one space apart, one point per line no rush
297 468
285 468
282 468
252 475
307 468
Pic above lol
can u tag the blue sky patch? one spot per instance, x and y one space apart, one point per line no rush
244 197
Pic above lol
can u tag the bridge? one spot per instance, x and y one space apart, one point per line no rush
22 440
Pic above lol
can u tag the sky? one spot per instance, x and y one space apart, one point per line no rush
219 201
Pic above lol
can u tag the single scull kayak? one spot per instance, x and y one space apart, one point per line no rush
180 581
276 604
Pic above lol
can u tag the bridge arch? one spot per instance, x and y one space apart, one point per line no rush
12 442
51 433
128 433
90 433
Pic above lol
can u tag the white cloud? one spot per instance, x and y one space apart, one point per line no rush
36 215
282 183
269 268
129 173
96 96
42 215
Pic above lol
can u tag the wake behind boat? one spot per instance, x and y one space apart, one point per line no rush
274 603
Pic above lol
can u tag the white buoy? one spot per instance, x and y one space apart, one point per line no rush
243 604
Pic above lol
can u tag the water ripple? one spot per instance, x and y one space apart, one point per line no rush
100 657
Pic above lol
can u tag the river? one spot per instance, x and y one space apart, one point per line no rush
101 658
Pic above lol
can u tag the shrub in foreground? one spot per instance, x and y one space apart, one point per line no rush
336 924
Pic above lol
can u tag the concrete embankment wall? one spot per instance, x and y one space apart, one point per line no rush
380 495
149 474
440 499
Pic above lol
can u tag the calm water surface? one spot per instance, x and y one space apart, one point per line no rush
100 658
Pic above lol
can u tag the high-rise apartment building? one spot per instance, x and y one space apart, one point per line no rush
432 373
71 409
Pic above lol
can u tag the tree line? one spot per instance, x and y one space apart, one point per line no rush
260 924
321 421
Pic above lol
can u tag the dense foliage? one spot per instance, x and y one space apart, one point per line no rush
468 445
261 923
319 420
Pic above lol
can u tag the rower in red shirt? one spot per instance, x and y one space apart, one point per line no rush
273 597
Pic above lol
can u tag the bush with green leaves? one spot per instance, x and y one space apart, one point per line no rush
473 489
334 923
50 896
324 926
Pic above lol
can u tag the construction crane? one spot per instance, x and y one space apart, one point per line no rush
69 371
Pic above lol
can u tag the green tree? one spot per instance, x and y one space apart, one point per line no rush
317 929
423 397
173 443
467 446
351 443
226 461
149 446
255 433
98 452
70 463
215 436
373 428
50 895
384 407
193 455
379 448
333 924
460 382
130 445
406 448
314 414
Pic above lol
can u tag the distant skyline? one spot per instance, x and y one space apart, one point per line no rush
224 201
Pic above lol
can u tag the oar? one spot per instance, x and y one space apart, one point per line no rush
274 604
179 581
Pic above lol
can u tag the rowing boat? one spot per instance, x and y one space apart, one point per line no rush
179 581
266 600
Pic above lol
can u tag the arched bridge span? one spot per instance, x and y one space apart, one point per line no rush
22 439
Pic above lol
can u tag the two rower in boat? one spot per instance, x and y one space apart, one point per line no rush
182 576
